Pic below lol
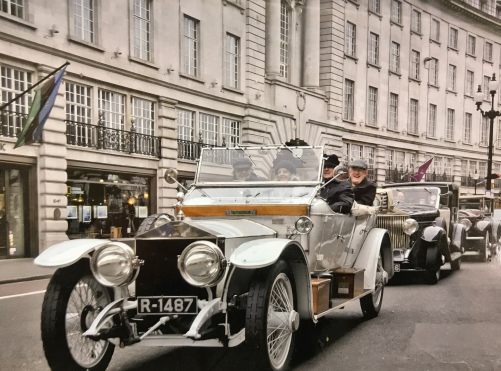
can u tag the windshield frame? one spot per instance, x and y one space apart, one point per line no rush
397 204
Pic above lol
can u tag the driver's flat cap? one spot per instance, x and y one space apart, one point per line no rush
359 164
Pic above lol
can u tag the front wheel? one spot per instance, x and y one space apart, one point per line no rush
271 319
485 248
371 303
72 301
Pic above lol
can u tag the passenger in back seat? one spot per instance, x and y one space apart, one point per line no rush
338 194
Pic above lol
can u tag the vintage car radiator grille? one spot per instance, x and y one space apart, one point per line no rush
394 224
159 274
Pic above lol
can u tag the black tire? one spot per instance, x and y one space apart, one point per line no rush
456 264
152 221
258 323
432 274
485 248
57 335
371 303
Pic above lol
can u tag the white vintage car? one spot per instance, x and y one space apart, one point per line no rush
249 261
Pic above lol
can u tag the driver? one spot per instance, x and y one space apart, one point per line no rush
242 170
337 193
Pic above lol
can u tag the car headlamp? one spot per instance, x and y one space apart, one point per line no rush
202 264
115 264
467 223
410 226
304 225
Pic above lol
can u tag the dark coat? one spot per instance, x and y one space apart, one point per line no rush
339 196
365 192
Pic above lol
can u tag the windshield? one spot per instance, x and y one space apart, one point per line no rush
416 196
481 204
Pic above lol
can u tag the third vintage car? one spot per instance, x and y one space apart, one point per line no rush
422 220
253 256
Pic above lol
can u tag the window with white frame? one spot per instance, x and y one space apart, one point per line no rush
472 168
83 20
432 121
453 38
400 160
449 128
191 41
185 125
435 30
498 141
416 21
395 57
112 105
143 114
78 110
485 87
15 8
451 77
209 128
372 109
470 83
471 45
375 6
351 39
14 81
141 23
433 71
373 48
467 128
230 132
349 97
393 112
415 60
285 23
232 61
414 116
488 51
353 151
482 169
396 11
484 131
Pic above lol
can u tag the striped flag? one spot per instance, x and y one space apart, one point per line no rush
421 171
40 108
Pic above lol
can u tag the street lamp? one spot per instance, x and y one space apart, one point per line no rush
491 115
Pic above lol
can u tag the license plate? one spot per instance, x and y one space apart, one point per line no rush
396 267
167 305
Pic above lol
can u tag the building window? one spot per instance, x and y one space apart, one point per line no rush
432 121
414 116
143 114
374 48
449 128
14 81
209 128
484 130
112 105
433 72
13 7
416 21
471 45
351 40
467 128
372 119
349 97
375 6
451 77
415 60
488 51
78 114
285 20
83 19
485 87
393 119
435 30
191 41
453 38
186 125
498 142
396 11
400 161
395 57
230 132
141 18
470 83
232 61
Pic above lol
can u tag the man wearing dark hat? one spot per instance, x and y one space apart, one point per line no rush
364 189
242 170
337 193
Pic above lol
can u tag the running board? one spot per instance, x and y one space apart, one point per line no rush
337 304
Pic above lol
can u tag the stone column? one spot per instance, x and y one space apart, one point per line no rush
273 38
380 165
311 44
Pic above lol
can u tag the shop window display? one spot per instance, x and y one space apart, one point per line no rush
106 205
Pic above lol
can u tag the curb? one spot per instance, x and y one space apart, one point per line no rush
23 279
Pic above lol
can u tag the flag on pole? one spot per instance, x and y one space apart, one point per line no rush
421 171
40 108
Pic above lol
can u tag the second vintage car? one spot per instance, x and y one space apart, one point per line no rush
254 256
422 220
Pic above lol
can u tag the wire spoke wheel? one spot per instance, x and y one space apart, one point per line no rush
371 303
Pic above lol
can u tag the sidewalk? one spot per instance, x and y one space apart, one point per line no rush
23 269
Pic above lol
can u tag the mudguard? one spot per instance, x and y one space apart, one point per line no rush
496 230
432 233
458 236
68 252
483 225
377 239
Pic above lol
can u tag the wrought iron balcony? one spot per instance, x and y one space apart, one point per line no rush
11 123
434 177
189 150
468 181
396 175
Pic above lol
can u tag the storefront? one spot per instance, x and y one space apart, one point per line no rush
105 204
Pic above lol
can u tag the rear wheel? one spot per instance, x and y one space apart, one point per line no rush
371 303
271 318
434 261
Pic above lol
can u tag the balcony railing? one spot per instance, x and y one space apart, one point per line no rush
433 177
101 137
189 150
396 175
11 123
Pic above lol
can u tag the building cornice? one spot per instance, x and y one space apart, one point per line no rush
471 11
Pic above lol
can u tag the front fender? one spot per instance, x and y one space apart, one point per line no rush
432 233
482 226
68 252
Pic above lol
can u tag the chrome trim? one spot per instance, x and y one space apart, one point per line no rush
395 226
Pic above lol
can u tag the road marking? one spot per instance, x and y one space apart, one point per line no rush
25 294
